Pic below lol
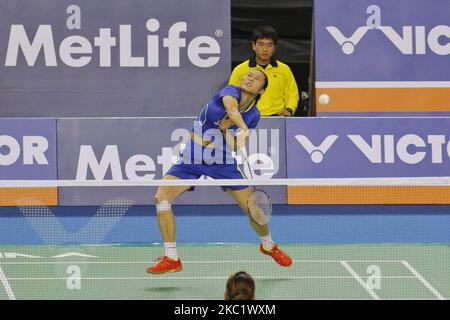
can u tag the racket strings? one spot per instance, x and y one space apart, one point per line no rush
260 207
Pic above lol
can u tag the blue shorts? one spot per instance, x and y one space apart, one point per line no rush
215 171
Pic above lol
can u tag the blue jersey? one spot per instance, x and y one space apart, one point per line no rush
207 128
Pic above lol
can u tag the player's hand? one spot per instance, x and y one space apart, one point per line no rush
241 138
225 123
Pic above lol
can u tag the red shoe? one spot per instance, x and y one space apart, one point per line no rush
278 255
165 264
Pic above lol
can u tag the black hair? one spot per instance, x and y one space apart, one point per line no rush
265 32
266 84
240 286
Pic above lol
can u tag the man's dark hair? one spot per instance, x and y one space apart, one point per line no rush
240 286
265 32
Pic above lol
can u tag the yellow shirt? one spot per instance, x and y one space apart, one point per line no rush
282 91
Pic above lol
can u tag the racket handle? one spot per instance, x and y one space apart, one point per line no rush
246 160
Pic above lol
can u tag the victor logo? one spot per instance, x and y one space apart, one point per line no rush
316 152
408 148
384 149
411 39
31 149
347 44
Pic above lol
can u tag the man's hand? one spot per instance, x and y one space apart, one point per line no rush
241 138
225 123
286 113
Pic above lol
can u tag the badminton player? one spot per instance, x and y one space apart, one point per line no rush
208 154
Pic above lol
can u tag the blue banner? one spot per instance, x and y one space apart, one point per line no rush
382 40
63 58
28 149
368 147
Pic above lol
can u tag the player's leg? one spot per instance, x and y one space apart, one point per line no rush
267 246
241 197
164 198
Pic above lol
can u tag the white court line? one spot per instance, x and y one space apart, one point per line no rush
196 262
423 280
201 278
360 281
390 181
6 285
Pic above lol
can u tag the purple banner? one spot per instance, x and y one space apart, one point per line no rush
146 148
368 147
382 40
28 149
115 58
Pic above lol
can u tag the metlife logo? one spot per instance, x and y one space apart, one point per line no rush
383 147
115 58
144 149
76 51
263 162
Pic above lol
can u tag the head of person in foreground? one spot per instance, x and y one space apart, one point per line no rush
240 286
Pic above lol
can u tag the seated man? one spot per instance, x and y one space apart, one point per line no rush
281 97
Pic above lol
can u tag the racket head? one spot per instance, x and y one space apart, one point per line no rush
259 206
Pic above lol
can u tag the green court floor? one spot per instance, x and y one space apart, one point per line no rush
318 272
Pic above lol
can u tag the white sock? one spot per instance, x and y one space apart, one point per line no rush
267 242
170 249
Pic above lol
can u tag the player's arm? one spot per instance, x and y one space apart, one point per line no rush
230 139
231 106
